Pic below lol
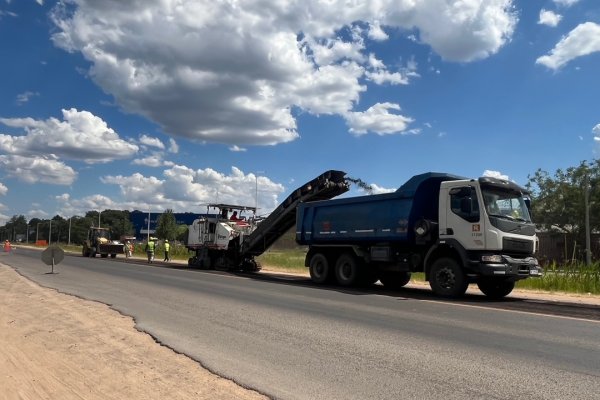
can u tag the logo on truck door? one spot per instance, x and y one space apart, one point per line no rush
476 230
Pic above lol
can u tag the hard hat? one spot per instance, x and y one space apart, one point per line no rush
166 241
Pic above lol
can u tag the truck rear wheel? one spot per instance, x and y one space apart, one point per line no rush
495 288
319 268
394 280
347 270
447 279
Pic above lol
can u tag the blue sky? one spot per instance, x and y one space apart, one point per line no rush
153 104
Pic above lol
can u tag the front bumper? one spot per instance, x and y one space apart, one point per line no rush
510 267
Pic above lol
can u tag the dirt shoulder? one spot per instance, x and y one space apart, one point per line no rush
56 346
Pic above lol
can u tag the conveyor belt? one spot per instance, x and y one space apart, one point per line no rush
323 187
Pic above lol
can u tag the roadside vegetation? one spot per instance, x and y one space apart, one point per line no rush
575 278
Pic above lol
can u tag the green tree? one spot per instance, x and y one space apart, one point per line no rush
166 226
558 202
116 220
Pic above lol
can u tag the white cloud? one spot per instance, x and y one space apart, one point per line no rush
596 132
549 18
378 119
80 136
566 3
25 97
154 160
232 74
495 174
376 32
37 169
173 146
581 41
184 189
151 142
3 189
237 149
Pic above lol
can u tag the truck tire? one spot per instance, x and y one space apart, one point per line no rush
113 256
319 268
447 278
394 280
347 270
495 288
104 255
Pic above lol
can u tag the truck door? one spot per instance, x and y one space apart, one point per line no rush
463 218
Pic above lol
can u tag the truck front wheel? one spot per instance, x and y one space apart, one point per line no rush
495 288
347 270
447 279
319 268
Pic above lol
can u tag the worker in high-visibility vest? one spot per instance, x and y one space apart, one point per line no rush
150 250
167 248
7 247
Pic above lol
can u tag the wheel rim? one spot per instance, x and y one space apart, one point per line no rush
346 271
318 268
446 278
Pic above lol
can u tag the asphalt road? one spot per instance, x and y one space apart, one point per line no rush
291 340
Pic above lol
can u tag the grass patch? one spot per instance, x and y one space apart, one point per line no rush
577 278
284 260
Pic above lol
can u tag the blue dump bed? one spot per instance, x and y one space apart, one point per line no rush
375 218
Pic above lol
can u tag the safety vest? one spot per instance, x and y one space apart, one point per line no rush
150 246
167 246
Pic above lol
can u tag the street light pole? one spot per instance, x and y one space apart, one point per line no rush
50 233
37 233
69 240
99 212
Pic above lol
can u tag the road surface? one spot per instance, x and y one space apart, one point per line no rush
291 340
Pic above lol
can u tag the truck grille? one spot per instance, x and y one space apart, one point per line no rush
510 245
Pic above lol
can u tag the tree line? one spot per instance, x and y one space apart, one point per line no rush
559 203
74 230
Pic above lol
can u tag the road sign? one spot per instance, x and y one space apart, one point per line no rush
53 255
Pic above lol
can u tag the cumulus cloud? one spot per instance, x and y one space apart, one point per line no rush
581 41
233 74
184 189
80 136
3 189
495 174
376 32
37 169
154 160
151 142
377 119
549 18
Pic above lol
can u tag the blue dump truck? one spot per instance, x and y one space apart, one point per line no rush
455 230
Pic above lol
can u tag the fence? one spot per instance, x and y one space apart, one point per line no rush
562 247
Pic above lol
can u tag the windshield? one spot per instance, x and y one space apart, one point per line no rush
505 204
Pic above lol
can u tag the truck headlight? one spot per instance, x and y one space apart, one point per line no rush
492 258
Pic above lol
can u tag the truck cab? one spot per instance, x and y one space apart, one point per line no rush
487 224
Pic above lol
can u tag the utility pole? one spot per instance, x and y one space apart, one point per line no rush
588 247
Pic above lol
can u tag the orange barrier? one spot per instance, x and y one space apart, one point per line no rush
41 243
